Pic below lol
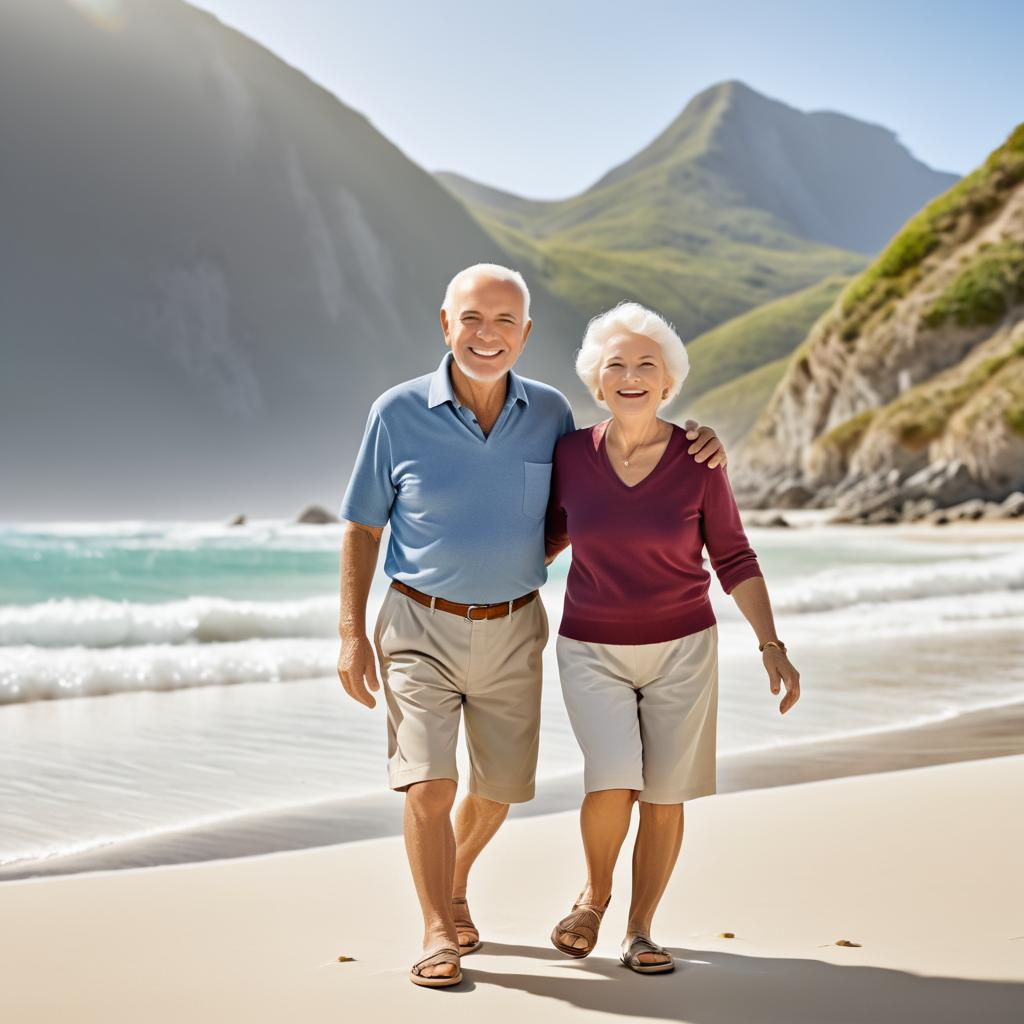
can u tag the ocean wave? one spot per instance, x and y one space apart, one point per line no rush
32 673
830 589
994 584
91 539
96 622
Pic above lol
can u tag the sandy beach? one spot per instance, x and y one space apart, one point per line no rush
920 867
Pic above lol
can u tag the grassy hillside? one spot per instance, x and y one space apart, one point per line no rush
733 408
764 335
944 222
917 372
739 201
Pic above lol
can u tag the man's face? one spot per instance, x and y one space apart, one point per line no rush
484 327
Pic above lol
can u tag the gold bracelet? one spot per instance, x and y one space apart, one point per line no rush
772 643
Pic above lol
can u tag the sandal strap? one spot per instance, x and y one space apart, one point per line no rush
645 946
463 920
584 920
447 955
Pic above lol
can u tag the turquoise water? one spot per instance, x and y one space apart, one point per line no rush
159 676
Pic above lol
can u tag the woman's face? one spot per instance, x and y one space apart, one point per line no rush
633 377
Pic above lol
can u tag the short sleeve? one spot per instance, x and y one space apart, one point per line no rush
730 552
371 490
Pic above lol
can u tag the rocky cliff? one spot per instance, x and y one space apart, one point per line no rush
908 394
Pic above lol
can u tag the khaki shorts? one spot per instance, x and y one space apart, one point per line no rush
436 667
645 716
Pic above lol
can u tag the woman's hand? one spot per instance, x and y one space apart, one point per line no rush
782 671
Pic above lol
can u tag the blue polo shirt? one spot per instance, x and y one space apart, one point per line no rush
466 511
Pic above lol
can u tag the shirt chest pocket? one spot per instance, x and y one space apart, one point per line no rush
536 487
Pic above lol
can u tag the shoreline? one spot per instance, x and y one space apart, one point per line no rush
916 869
973 735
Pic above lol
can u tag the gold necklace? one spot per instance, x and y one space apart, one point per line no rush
626 459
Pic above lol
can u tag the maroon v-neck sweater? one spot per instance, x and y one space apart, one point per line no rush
637 574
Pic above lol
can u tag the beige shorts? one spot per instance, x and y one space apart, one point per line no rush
437 667
645 716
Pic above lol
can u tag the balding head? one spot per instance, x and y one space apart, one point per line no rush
495 272
486 320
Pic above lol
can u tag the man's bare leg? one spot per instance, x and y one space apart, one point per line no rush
658 841
430 846
477 819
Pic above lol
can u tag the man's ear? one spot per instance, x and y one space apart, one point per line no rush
526 331
445 326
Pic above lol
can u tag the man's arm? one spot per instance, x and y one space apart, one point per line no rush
356 666
707 446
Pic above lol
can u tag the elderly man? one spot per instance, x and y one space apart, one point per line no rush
459 462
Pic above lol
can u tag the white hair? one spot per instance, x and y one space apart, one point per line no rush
494 270
637 319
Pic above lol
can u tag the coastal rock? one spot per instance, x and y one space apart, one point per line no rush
769 521
1013 506
316 515
239 520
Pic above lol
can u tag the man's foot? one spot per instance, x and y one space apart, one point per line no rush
437 969
469 935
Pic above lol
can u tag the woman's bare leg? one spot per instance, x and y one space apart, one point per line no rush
655 853
604 822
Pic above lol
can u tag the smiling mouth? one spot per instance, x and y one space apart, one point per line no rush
486 353
631 393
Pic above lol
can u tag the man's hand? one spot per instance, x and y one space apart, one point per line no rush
781 670
707 446
356 669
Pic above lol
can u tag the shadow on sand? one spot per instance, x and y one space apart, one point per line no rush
727 988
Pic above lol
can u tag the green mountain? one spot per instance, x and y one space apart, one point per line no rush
909 391
740 200
764 335
734 368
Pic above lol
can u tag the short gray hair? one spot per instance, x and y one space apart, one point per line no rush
494 270
637 319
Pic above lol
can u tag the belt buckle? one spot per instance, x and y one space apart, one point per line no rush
469 612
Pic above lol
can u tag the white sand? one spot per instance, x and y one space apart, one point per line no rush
922 867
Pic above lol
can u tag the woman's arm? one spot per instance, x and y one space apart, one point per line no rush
751 597
735 563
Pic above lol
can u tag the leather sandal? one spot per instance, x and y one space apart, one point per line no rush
632 949
464 923
445 955
584 920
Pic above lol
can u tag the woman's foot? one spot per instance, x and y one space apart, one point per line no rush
576 934
642 955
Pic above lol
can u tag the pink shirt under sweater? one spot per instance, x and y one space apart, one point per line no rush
637 575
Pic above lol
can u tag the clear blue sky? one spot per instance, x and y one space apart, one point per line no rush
541 98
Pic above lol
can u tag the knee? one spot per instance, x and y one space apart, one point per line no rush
612 797
661 812
431 799
487 808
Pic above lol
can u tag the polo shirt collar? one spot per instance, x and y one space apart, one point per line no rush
441 386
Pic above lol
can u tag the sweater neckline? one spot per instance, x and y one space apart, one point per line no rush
605 459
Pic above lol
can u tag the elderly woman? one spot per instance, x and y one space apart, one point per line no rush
637 647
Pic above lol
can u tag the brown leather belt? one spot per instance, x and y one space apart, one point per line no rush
484 611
